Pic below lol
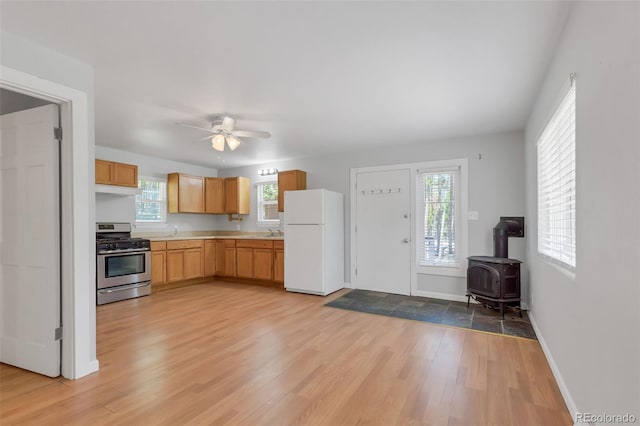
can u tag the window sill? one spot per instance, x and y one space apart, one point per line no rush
453 271
268 224
562 268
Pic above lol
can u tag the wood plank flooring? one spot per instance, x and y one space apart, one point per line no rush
225 353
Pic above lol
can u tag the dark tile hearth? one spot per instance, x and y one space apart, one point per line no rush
436 311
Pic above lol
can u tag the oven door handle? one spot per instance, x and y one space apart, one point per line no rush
127 252
125 287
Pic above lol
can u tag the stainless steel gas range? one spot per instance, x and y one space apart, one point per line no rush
123 264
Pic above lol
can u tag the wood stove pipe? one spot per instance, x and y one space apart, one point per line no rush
507 227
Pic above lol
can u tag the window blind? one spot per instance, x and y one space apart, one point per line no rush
438 237
151 204
557 184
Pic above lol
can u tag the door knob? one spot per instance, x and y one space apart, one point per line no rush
406 241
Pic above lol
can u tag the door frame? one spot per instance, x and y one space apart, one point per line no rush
413 174
411 167
77 267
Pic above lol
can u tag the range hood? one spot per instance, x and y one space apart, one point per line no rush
124 191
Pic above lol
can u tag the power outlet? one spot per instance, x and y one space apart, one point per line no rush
472 215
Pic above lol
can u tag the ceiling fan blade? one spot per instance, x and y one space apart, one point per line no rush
208 137
251 134
194 127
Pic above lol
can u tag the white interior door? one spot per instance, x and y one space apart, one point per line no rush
30 240
383 233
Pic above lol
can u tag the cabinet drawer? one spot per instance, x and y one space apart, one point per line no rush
184 244
229 243
278 245
158 245
254 243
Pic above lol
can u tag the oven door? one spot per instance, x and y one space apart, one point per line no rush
115 269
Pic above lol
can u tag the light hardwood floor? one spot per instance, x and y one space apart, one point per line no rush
222 353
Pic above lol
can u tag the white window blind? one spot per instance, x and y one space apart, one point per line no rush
151 204
268 203
557 184
439 217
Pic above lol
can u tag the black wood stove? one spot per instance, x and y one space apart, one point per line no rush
495 280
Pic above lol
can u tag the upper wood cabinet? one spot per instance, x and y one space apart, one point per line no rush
237 195
214 195
185 193
290 180
112 173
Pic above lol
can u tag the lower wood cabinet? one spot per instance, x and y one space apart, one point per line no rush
180 260
184 260
255 259
263 264
244 259
158 262
226 258
278 261
209 258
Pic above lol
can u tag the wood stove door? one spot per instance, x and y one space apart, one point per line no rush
483 280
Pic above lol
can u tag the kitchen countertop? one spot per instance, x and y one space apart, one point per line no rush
215 237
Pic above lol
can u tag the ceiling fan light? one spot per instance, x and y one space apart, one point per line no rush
217 143
232 142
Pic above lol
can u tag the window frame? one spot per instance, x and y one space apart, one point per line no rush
163 202
460 166
259 203
567 100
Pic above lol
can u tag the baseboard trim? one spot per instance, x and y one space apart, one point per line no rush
88 368
564 390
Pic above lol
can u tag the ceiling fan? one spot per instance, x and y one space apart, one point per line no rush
224 131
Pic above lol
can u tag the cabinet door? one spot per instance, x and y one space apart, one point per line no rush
220 252
214 195
290 180
185 193
191 194
175 265
262 264
104 172
237 195
230 261
244 258
278 266
158 267
125 175
209 258
193 263
231 195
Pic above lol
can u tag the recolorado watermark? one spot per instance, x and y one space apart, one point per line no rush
591 418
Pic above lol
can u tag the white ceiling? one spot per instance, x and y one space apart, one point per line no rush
322 77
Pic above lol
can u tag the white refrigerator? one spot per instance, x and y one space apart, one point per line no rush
313 241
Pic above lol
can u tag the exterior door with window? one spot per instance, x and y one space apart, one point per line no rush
383 249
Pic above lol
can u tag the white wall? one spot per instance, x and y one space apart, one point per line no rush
37 61
112 208
589 323
496 188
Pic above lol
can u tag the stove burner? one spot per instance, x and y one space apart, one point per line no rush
116 238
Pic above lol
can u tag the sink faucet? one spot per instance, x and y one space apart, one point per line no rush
271 234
